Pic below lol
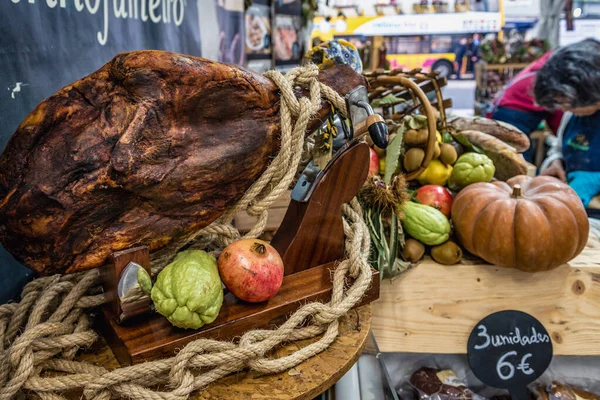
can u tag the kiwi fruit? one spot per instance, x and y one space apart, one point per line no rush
413 159
410 137
413 250
448 253
436 151
448 154
415 138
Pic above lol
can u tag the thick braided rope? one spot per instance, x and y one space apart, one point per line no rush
40 335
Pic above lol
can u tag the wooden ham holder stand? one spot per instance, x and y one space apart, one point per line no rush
310 241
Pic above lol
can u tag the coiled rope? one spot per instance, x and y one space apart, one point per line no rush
40 335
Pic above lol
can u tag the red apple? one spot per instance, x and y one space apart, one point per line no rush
435 196
251 269
374 163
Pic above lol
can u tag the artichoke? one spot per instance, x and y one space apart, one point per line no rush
188 291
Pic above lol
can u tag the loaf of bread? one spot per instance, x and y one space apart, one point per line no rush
507 133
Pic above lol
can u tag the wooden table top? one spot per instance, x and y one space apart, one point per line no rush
432 308
305 381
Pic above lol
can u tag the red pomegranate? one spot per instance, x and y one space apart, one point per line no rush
435 196
373 162
251 269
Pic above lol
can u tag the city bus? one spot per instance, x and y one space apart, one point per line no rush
426 41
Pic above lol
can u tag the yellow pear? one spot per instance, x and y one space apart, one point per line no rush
436 173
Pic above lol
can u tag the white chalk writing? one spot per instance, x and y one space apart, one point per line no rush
512 338
165 11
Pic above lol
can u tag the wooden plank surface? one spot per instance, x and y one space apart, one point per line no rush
304 381
433 308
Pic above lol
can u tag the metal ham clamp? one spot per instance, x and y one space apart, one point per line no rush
363 119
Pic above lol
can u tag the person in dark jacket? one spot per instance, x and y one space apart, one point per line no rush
460 52
516 104
570 81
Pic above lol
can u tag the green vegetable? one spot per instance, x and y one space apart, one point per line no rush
144 281
386 101
188 291
447 137
425 223
392 155
384 252
471 168
460 138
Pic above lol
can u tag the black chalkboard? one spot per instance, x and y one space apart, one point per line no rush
509 350
47 44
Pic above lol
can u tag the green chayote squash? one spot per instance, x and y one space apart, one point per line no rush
471 168
425 223
188 291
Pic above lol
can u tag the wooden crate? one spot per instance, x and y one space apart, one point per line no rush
433 308
244 222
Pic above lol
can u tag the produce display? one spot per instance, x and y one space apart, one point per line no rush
148 149
533 224
474 196
502 62
513 50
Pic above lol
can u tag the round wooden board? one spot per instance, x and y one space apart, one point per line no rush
305 381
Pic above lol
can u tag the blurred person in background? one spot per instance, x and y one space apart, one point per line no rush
460 52
472 54
516 104
570 81
475 53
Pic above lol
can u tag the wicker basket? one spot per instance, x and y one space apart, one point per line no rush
412 88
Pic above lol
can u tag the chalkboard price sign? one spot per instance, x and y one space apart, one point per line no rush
509 350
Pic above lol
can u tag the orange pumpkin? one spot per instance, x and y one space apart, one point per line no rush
533 224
